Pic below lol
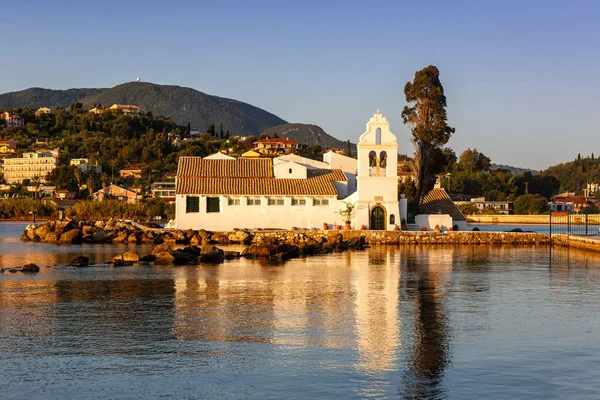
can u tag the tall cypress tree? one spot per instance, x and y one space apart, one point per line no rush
348 149
221 133
427 119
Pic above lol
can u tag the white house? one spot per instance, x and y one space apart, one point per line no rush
291 191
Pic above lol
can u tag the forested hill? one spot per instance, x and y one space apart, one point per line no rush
575 175
307 134
181 104
38 97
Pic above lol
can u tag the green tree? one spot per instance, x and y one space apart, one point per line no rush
530 204
211 129
427 119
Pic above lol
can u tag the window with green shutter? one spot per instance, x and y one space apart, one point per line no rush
212 205
192 204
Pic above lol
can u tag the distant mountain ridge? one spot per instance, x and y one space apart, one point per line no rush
514 170
181 104
307 134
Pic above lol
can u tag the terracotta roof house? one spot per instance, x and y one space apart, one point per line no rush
275 146
42 110
8 146
12 119
130 171
126 109
117 193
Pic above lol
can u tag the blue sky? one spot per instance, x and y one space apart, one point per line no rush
520 76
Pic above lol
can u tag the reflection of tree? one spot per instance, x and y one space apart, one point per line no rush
430 352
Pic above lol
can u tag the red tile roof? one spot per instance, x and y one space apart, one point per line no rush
250 177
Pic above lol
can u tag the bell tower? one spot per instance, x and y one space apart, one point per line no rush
377 179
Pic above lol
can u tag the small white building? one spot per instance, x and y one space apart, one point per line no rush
290 191
85 166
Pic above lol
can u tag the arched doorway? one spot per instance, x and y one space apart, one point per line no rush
377 219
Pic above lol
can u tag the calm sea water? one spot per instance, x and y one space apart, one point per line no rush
389 322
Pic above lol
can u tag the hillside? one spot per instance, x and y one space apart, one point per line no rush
307 134
181 104
38 97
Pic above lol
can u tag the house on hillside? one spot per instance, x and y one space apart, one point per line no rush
85 166
571 203
8 146
275 146
42 110
130 171
12 119
291 191
117 193
126 109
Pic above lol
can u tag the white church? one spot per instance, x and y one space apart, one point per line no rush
222 193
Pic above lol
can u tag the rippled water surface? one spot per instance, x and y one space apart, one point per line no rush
389 322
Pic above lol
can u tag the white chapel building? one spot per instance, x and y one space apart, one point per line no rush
224 193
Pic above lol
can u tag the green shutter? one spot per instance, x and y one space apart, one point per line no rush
212 204
192 204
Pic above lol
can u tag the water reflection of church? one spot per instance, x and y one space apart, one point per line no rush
386 305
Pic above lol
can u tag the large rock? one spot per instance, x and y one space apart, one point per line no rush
88 230
211 254
130 256
181 257
42 231
63 226
161 248
121 237
80 262
51 238
31 267
132 238
71 236
163 258
100 237
239 237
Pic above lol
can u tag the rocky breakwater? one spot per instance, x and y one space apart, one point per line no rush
274 246
283 245
117 231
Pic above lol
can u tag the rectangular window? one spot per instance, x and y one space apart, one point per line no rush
321 202
253 201
233 201
192 204
275 202
298 202
212 205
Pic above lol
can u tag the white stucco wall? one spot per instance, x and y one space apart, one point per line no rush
429 221
261 216
308 162
289 170
340 161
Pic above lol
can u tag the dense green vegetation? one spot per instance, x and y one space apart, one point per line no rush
145 210
182 105
25 208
